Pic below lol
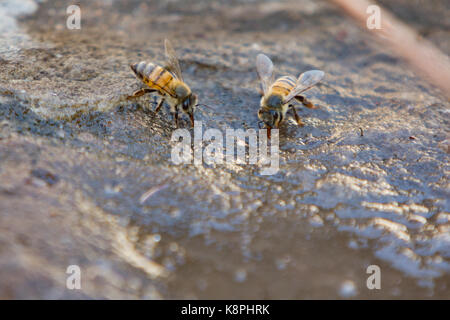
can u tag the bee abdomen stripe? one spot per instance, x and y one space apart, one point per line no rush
283 89
160 74
140 67
148 69
166 78
155 73
288 80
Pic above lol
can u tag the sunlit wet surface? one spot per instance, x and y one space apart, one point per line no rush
364 182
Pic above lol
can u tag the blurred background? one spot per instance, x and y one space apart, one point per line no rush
364 182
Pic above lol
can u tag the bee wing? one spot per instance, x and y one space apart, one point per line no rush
172 61
305 81
264 66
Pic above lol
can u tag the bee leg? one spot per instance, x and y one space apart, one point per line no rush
297 118
176 118
191 117
174 112
140 92
305 102
158 106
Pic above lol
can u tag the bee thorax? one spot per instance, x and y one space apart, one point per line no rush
181 90
274 101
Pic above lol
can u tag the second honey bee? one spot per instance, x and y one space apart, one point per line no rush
168 82
277 95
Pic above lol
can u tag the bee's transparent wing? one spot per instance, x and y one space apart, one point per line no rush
172 61
264 66
305 81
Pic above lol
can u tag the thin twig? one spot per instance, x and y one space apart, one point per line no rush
151 192
426 59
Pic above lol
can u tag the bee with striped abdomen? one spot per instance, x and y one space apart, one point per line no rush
277 96
168 82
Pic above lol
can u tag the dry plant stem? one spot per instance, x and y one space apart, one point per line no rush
423 56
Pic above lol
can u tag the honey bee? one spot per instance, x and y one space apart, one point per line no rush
168 82
277 96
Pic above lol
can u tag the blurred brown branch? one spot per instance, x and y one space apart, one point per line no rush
426 59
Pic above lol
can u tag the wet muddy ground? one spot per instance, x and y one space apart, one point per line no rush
364 182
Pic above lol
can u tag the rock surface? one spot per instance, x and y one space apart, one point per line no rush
364 182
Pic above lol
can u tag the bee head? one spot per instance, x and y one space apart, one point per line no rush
271 118
189 103
188 106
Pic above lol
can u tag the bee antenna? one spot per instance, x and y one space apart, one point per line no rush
205 105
